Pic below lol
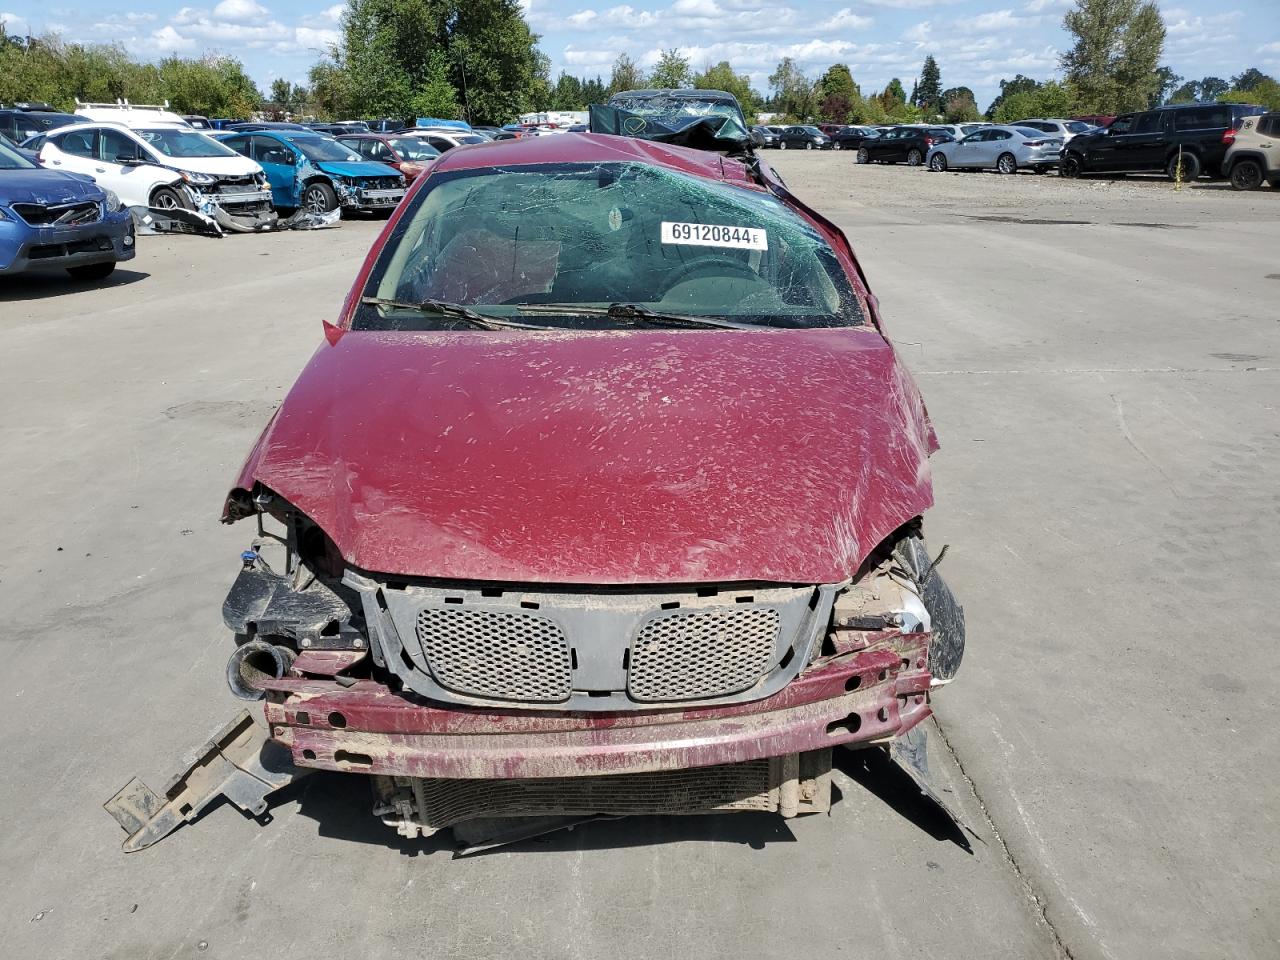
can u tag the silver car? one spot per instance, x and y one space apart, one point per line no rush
1006 149
1066 129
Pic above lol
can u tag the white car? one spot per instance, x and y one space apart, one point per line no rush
1063 129
444 140
152 158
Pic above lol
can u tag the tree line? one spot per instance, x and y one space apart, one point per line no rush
479 61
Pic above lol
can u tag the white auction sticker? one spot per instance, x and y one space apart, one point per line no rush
714 235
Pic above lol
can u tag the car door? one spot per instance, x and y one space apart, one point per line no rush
124 167
73 152
965 153
1108 152
1144 147
882 147
280 164
996 143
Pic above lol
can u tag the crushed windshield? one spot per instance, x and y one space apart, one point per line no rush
667 106
543 239
183 143
317 149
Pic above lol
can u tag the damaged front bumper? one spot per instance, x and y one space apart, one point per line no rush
368 200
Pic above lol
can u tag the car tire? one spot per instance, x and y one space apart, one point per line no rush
915 158
863 156
938 163
167 198
836 145
782 145
1246 175
319 197
93 271
809 145
1006 163
1189 163
1070 166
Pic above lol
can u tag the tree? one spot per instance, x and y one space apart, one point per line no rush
435 95
838 96
1169 82
594 91
928 93
895 91
626 75
1019 84
567 93
1211 88
1112 64
1050 99
1266 93
671 70
792 91
960 107
1249 79
722 77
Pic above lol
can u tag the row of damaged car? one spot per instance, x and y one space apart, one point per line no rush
603 495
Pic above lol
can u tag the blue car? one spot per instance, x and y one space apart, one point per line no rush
50 219
315 172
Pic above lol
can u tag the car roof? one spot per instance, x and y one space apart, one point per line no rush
593 148
719 96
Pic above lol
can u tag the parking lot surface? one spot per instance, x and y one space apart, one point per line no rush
1102 364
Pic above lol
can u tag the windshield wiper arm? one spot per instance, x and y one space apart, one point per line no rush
454 310
633 311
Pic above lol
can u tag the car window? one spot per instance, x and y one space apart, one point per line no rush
172 142
11 159
239 144
1148 123
440 143
593 234
1121 125
999 135
271 150
1077 126
376 150
1269 126
114 146
320 149
1202 118
78 143
412 148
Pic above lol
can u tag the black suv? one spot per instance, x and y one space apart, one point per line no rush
24 120
1182 140
911 144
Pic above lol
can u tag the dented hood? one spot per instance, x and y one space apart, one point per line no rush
46 186
618 457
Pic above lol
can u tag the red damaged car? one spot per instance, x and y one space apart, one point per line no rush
602 497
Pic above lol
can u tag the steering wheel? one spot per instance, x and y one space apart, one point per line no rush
700 264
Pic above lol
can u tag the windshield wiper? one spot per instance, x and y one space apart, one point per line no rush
633 311
454 310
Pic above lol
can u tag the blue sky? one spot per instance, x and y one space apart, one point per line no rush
976 42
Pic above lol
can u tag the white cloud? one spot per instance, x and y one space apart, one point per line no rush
240 11
1049 6
910 4
846 19
14 25
994 20
310 38
169 40
1270 47
589 58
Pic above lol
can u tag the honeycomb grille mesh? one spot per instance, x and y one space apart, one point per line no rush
689 656
506 656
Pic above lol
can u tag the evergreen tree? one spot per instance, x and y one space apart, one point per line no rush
928 92
626 75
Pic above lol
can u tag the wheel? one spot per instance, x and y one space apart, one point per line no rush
93 271
938 163
836 145
1246 175
166 198
319 198
809 145
1006 163
1069 166
1185 167
863 156
782 145
915 158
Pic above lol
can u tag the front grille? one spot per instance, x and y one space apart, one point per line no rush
51 251
379 183
59 214
506 656
689 656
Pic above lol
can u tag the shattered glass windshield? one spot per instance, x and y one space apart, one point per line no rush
593 235
317 149
667 106
183 143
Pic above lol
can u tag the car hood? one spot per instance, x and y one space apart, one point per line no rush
46 186
236 166
618 457
357 168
